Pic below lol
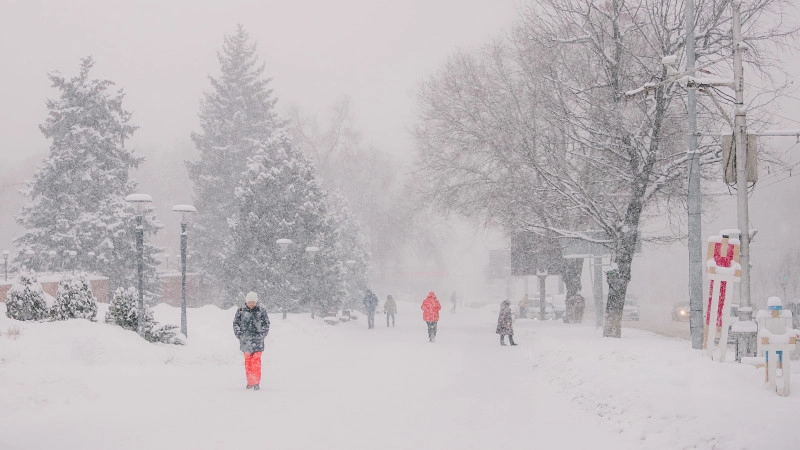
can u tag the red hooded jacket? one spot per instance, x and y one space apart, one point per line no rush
430 308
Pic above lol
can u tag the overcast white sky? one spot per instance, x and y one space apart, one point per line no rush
316 51
161 51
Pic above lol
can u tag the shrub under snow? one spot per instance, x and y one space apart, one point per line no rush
25 300
123 312
74 299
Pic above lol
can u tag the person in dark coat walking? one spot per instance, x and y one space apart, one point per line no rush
370 303
505 325
430 314
251 326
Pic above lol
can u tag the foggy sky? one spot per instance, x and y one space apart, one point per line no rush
376 52
161 53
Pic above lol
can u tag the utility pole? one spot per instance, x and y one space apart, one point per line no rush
740 137
696 323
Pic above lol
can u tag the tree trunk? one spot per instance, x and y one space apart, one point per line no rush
618 283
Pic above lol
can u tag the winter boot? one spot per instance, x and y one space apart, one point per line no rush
511 339
256 387
502 339
249 386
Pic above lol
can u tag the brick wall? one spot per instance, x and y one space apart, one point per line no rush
49 284
171 289
170 284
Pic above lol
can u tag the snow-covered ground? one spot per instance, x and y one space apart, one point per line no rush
83 385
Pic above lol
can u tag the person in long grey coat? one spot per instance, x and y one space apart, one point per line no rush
251 326
505 323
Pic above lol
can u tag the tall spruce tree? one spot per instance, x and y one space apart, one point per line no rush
77 195
237 115
279 198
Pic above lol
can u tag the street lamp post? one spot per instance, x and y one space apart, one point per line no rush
140 201
283 244
542 275
5 262
185 210
312 250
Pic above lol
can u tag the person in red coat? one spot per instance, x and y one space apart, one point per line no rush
430 314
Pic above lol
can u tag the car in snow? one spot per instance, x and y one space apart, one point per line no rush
630 310
680 311
533 311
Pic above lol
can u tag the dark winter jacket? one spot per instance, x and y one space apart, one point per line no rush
505 319
370 301
251 327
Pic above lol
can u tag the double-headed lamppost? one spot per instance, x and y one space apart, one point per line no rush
5 262
140 202
185 210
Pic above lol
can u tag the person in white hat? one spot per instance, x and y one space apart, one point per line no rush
251 326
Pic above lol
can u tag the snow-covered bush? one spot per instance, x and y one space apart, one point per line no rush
168 334
74 299
123 311
25 299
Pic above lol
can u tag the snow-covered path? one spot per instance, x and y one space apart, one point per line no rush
82 385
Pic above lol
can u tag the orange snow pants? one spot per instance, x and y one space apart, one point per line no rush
252 367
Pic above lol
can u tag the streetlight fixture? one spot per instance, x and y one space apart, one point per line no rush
5 262
312 251
140 202
185 210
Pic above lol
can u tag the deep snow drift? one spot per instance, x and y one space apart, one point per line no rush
84 385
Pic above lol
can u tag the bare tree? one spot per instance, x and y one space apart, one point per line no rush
542 119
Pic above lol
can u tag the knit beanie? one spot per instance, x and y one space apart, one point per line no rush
251 297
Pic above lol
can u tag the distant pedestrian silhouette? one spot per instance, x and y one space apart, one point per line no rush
370 303
389 308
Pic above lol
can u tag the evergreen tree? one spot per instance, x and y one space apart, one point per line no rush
235 117
279 198
74 299
25 299
353 247
122 309
77 195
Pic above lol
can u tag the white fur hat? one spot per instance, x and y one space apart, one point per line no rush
251 297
